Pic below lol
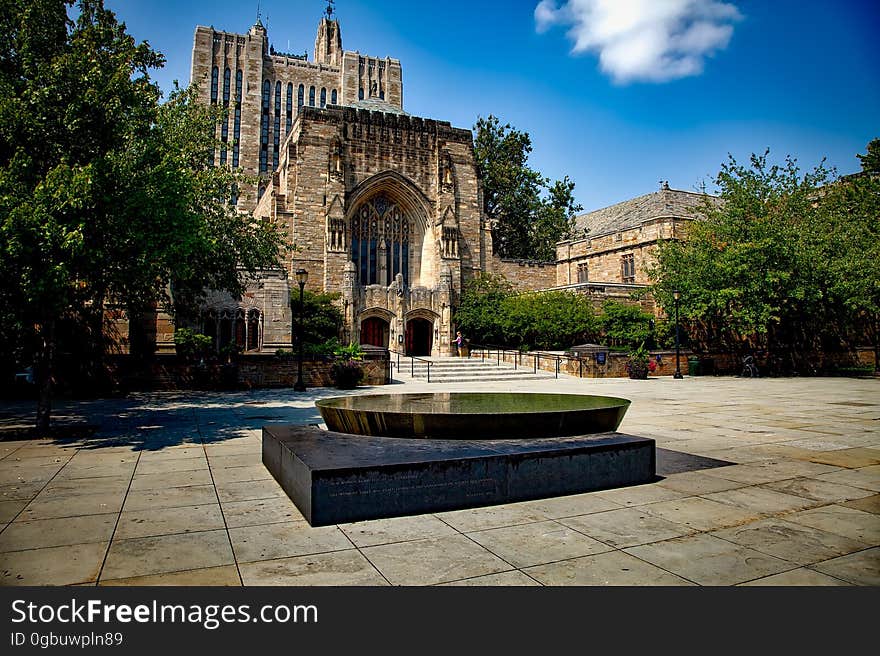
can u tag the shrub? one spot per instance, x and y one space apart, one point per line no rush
191 345
637 364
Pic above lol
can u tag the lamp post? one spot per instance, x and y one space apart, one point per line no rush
677 375
301 277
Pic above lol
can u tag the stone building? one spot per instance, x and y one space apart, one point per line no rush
614 246
379 205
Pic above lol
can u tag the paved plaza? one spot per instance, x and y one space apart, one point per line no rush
170 490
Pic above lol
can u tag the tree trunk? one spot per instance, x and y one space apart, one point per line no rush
43 373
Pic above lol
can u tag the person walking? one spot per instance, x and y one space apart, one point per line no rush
459 341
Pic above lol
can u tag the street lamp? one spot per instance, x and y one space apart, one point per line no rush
301 277
677 375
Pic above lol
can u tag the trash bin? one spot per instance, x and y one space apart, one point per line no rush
693 366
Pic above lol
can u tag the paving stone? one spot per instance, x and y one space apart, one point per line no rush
67 565
861 568
72 505
698 482
260 511
193 495
537 543
814 488
868 504
226 575
700 514
246 490
504 579
708 560
865 477
762 500
283 540
433 560
626 527
41 533
224 475
340 568
637 495
572 505
166 466
20 491
10 509
112 485
171 479
611 568
477 519
395 529
167 521
850 458
848 522
800 577
790 541
167 553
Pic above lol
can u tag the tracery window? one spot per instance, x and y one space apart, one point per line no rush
380 242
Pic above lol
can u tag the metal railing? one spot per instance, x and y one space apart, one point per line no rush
413 359
517 357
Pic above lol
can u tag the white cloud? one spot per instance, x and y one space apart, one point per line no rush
644 40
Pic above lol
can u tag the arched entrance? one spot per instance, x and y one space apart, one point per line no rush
419 337
374 331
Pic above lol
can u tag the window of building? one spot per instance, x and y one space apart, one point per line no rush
311 96
380 242
227 77
323 97
361 93
264 128
300 97
236 128
289 108
215 76
333 97
276 138
628 268
583 272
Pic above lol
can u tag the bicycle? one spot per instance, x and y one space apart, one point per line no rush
750 369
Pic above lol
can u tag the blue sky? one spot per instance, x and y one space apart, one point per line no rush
617 100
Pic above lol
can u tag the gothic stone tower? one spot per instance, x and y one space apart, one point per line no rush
265 90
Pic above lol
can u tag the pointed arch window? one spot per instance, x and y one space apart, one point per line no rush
323 97
333 97
380 234
215 76
289 109
300 97
311 96
236 128
276 133
264 128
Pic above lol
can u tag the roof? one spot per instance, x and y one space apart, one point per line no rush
377 105
642 209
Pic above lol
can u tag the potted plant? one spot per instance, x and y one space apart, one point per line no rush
347 371
637 363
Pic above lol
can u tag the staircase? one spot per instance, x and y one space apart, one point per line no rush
464 370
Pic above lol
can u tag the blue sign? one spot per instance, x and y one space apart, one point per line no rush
600 357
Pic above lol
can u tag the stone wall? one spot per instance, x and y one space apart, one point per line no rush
604 254
526 275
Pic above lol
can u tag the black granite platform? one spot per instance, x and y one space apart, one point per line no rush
336 477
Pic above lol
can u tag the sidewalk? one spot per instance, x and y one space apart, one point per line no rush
171 490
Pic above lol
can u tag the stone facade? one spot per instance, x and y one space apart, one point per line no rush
385 208
265 90
526 275
617 244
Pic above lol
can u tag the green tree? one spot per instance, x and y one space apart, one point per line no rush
528 214
751 274
481 307
322 319
624 324
106 195
849 220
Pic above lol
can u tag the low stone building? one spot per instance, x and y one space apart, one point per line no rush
614 247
